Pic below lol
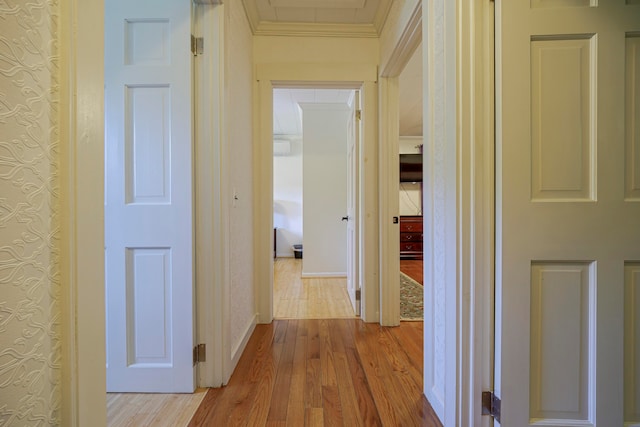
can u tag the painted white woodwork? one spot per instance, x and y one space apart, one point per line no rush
81 117
324 180
321 74
564 229
562 132
212 213
148 209
442 267
632 151
399 41
389 201
562 344
632 343
353 143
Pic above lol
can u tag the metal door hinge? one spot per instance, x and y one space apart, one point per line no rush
357 294
199 353
197 45
491 405
358 114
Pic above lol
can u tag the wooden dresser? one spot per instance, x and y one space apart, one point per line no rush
411 237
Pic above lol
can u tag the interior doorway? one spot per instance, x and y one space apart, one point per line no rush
312 130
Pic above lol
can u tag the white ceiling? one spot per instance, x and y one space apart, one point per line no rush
287 116
362 18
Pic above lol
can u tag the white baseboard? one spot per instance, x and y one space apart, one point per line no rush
285 255
239 348
321 275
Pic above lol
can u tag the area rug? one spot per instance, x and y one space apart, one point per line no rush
411 299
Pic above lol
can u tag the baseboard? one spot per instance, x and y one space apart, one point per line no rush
238 349
285 255
321 275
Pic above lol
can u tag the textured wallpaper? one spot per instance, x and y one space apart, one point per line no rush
29 275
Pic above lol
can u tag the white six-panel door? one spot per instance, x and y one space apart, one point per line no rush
568 212
148 206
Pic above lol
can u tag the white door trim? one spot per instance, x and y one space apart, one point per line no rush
389 200
212 214
404 49
82 200
352 76
476 221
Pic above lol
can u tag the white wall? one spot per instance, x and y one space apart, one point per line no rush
410 193
325 131
287 198
239 133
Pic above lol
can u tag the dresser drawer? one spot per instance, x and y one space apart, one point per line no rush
411 237
411 247
410 226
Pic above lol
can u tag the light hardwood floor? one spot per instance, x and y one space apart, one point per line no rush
157 410
295 297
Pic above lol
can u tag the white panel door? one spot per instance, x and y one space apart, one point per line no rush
148 207
568 212
352 205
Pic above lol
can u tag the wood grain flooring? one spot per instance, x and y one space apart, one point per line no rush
157 410
295 297
319 372
413 269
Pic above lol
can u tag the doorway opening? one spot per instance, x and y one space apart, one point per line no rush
313 129
410 148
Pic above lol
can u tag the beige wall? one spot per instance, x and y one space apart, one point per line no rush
272 49
30 287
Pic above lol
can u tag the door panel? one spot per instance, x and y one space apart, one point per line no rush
567 224
148 207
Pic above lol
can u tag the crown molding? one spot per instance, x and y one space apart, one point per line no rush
314 29
381 15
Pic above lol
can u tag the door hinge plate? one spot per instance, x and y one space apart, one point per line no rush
199 353
197 45
358 114
358 294
491 405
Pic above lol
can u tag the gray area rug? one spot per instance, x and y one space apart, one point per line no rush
411 299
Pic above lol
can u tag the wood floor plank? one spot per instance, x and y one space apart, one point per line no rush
324 372
331 406
295 297
282 385
296 403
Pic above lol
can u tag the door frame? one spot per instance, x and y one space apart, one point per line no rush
405 47
82 199
268 76
459 202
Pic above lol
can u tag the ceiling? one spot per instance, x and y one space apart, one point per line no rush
361 18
